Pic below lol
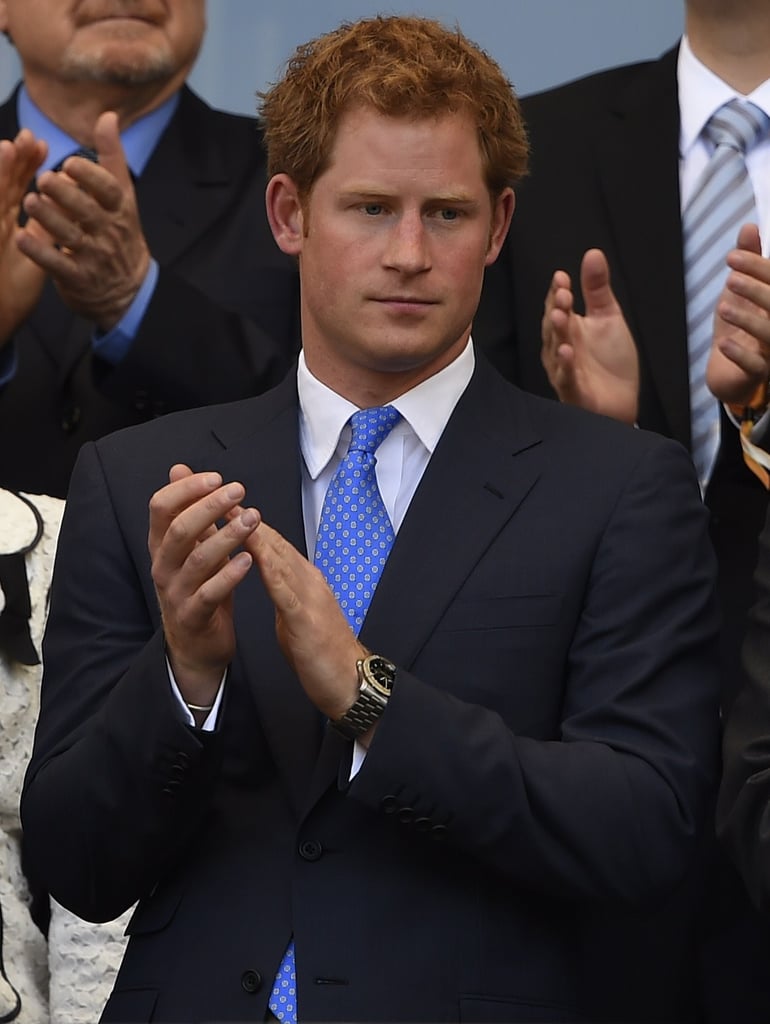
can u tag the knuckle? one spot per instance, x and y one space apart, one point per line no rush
178 531
197 557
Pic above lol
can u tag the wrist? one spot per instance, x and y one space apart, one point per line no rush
753 407
197 688
376 676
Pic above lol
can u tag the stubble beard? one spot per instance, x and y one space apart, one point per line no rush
116 64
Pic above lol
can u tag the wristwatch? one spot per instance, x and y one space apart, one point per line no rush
375 682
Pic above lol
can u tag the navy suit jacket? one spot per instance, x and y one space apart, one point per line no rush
605 173
223 322
534 791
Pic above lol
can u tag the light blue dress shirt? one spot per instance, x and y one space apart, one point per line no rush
139 141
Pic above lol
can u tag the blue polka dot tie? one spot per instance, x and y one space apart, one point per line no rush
355 536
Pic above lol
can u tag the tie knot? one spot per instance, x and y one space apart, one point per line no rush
737 125
371 427
89 154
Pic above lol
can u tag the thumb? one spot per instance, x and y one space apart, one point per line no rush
108 146
748 239
598 295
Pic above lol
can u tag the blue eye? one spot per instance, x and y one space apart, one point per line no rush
449 214
373 209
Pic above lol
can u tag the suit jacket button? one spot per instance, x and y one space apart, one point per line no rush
389 804
251 981
438 832
422 824
310 849
406 815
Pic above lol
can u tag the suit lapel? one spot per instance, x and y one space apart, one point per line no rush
194 161
638 167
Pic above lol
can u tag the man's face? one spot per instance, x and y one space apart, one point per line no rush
392 246
124 42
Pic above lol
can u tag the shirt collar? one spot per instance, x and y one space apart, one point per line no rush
138 140
702 93
425 409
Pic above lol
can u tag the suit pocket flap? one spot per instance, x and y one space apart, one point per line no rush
155 912
130 1006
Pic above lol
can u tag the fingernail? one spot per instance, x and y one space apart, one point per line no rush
249 518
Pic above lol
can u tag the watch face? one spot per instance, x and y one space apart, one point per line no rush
381 672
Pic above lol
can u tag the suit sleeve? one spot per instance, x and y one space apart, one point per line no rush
117 783
744 796
610 805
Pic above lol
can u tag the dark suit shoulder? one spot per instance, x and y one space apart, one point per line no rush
233 137
600 89
585 438
191 434
581 430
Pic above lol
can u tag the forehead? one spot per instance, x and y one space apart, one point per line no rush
430 149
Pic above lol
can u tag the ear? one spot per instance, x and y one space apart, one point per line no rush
285 214
502 213
3 16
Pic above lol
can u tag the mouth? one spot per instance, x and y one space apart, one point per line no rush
93 14
405 302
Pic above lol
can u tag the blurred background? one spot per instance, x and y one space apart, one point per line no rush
538 43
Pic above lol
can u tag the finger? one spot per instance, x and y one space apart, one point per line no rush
270 547
39 246
288 576
748 238
179 471
743 315
561 320
19 162
206 576
81 191
169 501
750 264
559 296
110 148
751 290
598 295
57 221
752 360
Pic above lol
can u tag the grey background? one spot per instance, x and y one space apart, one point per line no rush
538 43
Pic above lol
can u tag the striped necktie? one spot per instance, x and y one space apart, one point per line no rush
723 200
354 539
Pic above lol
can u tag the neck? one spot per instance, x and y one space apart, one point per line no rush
732 40
76 107
374 381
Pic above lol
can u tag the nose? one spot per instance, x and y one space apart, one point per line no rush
408 247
